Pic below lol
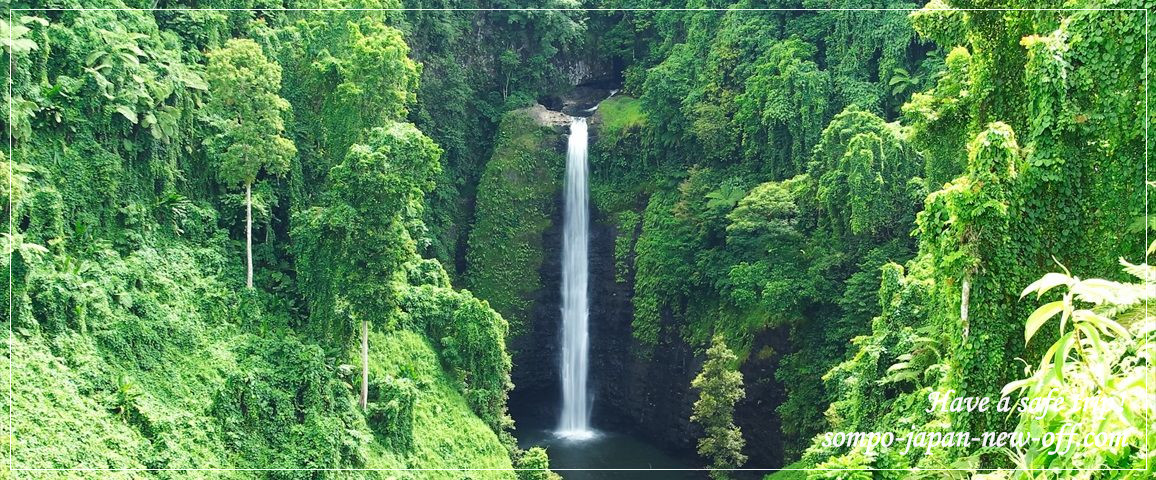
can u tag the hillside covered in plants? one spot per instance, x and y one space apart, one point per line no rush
323 239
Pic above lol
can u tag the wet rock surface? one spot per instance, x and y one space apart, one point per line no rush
554 119
648 397
756 414
581 100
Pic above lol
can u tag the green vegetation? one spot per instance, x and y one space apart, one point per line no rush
719 386
443 432
245 112
1098 363
879 187
620 114
136 343
476 66
355 245
515 205
854 208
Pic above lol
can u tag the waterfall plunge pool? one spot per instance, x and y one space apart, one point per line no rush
630 454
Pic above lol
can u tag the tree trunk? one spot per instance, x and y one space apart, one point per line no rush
249 235
364 363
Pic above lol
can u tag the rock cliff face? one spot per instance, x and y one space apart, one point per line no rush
756 414
536 365
649 397
587 67
507 258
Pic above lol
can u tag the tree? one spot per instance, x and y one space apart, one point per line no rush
534 464
769 277
245 110
720 385
864 170
355 246
784 107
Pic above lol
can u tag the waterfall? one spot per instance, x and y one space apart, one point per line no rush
575 422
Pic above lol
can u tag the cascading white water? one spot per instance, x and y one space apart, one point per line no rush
575 422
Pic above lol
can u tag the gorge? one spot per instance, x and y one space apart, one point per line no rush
592 314
291 239
641 403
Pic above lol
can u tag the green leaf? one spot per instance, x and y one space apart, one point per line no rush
1097 291
898 366
23 45
1105 325
91 59
1094 339
1065 345
1041 315
1016 385
1055 348
26 19
127 112
1046 283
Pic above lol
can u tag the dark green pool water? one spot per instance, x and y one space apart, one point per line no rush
607 456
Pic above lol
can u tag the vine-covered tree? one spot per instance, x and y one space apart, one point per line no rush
720 385
864 171
767 279
245 110
356 245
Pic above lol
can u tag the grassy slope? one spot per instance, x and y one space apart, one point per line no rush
621 113
53 424
446 432
616 149
127 376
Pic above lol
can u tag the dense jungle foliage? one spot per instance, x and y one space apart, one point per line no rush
141 139
907 198
881 188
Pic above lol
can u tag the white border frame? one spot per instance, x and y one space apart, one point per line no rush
10 458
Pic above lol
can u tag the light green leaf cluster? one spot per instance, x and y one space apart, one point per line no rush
246 111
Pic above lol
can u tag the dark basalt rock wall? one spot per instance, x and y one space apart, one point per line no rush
536 354
756 414
647 396
588 67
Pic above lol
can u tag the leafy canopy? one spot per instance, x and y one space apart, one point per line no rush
246 110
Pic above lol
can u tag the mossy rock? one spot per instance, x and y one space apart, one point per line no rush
517 199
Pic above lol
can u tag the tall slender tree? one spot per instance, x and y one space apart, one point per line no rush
720 386
245 110
355 244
